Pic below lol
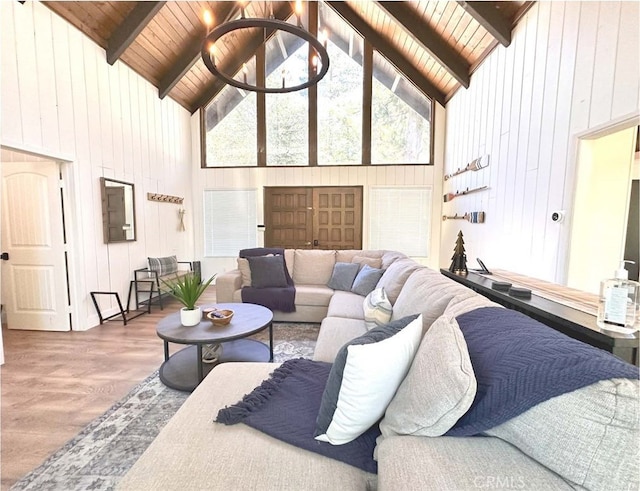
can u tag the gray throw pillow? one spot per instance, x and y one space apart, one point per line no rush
343 276
267 271
366 280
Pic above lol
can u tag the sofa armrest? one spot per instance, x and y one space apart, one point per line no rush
453 463
226 284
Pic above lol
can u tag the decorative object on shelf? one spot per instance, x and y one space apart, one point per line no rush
501 286
518 292
459 258
164 198
450 196
220 317
472 217
187 290
318 61
474 165
181 213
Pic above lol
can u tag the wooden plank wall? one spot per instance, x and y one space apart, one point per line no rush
61 99
571 67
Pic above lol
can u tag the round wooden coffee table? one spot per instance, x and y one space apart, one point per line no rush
185 369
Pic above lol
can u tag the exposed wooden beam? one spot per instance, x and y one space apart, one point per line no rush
367 96
490 17
191 54
389 51
430 40
133 25
282 12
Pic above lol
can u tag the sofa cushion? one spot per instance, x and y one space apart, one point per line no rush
374 262
334 333
439 387
395 277
191 450
313 295
364 378
376 308
245 271
343 276
585 435
459 464
427 292
267 271
347 255
163 265
390 257
366 280
313 266
346 304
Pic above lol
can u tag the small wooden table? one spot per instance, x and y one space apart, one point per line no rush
184 370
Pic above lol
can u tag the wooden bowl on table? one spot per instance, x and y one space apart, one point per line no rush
220 317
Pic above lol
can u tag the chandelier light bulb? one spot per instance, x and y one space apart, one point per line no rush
207 17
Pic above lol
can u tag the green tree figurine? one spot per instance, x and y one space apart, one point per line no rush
459 258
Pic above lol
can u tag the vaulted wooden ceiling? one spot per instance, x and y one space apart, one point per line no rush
435 44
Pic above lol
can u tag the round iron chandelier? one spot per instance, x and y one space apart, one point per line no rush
320 59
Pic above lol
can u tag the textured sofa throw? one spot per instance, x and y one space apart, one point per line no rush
285 407
519 362
274 298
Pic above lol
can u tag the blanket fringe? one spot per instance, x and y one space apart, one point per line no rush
251 402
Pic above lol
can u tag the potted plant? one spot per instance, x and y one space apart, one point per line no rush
187 290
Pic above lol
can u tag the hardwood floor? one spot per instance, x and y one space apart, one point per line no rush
55 383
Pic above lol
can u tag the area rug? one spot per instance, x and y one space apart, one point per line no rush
101 454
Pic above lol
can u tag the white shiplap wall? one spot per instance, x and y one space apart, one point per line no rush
571 67
61 99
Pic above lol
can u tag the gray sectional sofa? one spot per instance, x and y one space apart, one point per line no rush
584 439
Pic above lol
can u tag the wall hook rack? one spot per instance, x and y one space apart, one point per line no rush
165 198
472 217
474 165
451 196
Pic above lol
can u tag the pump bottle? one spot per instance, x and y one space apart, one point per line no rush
618 303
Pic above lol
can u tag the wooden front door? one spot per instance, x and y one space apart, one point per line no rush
313 217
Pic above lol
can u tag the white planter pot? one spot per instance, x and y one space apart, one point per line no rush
190 317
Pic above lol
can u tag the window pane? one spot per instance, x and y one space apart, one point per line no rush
287 114
230 221
231 127
400 118
400 219
340 94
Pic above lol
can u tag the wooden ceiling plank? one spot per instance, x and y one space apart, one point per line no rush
491 19
281 11
133 25
430 40
389 51
191 54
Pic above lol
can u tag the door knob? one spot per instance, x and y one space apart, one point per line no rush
4 256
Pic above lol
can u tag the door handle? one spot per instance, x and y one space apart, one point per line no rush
4 256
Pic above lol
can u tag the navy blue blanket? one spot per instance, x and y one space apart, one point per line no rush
275 298
286 405
519 362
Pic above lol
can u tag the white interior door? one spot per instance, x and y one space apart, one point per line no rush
34 278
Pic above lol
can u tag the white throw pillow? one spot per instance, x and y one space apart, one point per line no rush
365 380
377 308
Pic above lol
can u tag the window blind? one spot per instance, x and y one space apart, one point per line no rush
230 221
400 219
